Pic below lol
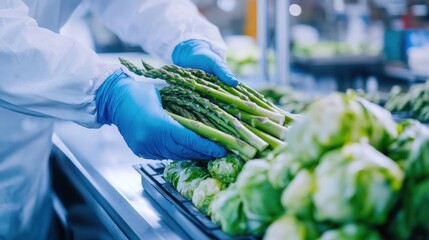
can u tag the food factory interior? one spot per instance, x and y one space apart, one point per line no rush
214 119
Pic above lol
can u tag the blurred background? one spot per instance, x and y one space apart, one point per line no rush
315 46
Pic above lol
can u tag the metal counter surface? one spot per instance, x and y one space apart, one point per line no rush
104 166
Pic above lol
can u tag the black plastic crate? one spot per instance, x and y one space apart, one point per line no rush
192 221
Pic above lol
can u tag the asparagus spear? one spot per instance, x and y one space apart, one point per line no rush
208 122
214 112
174 108
185 93
245 133
176 79
246 93
224 128
180 111
256 99
272 141
185 74
288 116
194 97
214 119
261 123
243 91
213 82
199 74
146 66
235 145
133 68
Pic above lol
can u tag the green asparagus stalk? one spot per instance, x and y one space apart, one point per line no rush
289 118
214 80
174 108
206 121
191 96
178 95
251 90
235 145
213 118
133 68
245 133
224 127
272 141
180 111
214 112
185 74
256 99
181 92
243 91
262 123
146 66
175 79
186 103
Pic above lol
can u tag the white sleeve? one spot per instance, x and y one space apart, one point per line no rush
157 25
45 74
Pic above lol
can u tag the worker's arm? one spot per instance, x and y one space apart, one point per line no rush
174 31
157 25
45 74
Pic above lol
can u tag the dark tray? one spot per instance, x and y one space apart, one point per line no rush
192 221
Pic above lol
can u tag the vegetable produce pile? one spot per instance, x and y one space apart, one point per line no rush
415 101
297 102
357 177
329 49
239 118
348 170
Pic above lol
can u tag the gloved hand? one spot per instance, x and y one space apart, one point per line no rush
135 108
198 54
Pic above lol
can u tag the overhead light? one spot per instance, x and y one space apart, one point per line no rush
339 6
295 10
420 10
226 5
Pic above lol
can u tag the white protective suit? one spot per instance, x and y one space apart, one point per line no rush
45 76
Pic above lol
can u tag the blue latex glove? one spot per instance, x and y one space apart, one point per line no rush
198 54
135 108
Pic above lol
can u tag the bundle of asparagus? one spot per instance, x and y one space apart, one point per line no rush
239 118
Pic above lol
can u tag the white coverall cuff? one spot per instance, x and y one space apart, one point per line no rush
105 71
